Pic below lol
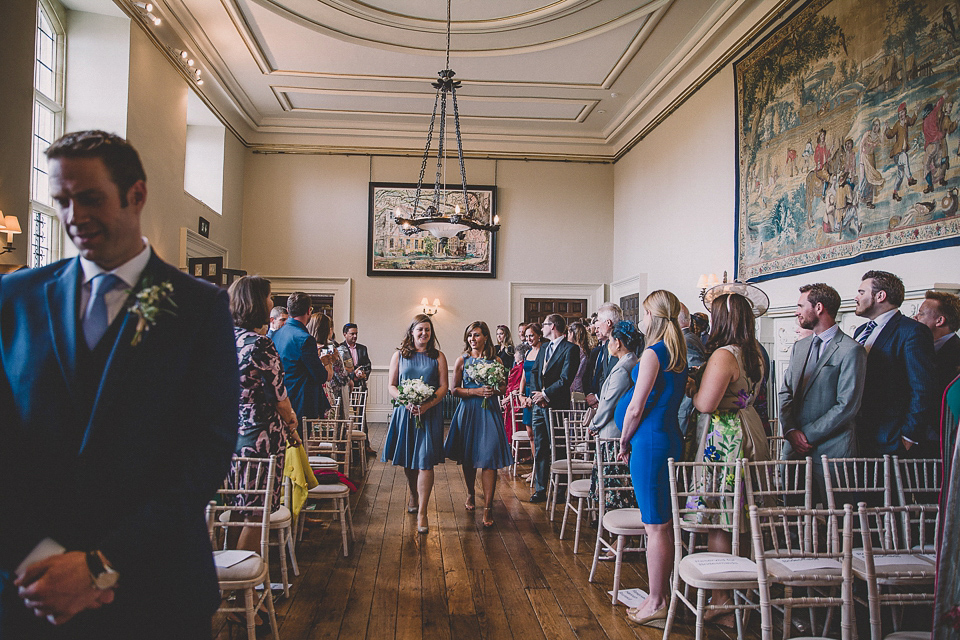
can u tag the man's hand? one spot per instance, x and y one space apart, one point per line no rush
798 441
60 587
539 398
592 400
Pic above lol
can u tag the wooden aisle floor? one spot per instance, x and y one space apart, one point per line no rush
460 581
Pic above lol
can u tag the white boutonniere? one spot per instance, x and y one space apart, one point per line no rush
148 304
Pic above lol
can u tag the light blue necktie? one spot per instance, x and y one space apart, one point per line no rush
96 320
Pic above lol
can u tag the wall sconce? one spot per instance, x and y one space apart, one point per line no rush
9 225
430 309
707 281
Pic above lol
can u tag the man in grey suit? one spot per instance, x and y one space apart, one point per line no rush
696 357
823 386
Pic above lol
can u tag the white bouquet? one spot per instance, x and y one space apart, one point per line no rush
489 373
413 391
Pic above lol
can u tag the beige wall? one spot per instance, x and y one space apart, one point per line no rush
307 216
674 202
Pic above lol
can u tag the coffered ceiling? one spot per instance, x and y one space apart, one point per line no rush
571 79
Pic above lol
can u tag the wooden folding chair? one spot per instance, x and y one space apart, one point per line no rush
558 467
580 449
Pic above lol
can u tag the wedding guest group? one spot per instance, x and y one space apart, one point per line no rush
304 373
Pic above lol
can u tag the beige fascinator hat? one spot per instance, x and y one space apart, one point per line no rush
759 300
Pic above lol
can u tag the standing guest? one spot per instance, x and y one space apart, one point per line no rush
696 358
514 383
266 419
415 433
338 382
357 355
601 362
304 373
651 435
135 414
278 317
823 385
940 312
623 343
476 439
533 334
700 325
505 346
899 403
551 377
729 427
577 334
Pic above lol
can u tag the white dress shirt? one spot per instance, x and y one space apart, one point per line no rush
129 272
826 337
881 321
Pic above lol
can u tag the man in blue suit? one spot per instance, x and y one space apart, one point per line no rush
898 407
118 421
304 373
553 373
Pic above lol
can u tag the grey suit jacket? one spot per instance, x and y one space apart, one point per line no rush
618 382
826 410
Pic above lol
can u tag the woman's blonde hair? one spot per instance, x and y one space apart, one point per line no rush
664 307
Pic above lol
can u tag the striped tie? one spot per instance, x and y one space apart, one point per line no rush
862 339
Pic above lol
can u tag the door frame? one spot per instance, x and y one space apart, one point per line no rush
519 291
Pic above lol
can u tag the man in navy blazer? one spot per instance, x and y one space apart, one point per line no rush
118 424
304 373
553 373
898 407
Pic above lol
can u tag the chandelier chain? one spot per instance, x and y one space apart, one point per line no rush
448 35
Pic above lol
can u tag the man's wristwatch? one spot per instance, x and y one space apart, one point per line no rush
102 575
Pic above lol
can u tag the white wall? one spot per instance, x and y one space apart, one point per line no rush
203 173
98 72
674 206
307 216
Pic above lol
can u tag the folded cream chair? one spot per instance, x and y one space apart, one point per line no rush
559 470
580 449
238 570
520 440
851 480
358 434
337 434
917 481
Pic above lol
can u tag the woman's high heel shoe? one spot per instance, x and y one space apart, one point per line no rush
657 619
471 503
488 517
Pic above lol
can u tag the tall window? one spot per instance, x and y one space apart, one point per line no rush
47 127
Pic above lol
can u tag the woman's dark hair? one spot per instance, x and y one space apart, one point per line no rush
407 347
699 323
489 352
536 328
733 323
319 327
627 333
248 302
580 337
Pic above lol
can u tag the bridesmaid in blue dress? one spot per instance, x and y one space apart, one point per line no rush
533 334
417 449
651 435
476 439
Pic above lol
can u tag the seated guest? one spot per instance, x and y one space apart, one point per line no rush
577 334
504 346
623 343
940 312
278 316
304 374
899 404
266 419
321 328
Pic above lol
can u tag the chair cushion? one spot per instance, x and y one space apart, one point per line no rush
694 576
278 518
908 635
560 466
782 572
919 567
357 434
321 461
245 570
329 490
580 488
623 522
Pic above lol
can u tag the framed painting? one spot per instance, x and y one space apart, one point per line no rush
847 141
393 252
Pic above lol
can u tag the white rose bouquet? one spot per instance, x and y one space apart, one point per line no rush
413 391
489 373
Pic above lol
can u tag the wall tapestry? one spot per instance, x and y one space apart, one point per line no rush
471 254
847 141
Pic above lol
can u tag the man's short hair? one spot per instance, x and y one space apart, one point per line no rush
948 305
298 304
348 326
610 311
559 322
825 295
887 282
119 157
276 312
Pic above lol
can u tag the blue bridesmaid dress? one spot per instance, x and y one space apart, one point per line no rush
407 444
477 437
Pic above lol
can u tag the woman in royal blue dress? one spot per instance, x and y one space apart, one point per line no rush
417 445
476 439
651 435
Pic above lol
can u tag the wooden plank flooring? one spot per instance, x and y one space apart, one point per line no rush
460 581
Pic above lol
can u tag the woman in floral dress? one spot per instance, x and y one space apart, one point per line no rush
729 426
266 417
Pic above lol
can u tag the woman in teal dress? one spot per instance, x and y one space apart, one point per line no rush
476 439
650 436
415 434
533 334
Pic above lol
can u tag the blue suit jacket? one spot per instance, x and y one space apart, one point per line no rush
303 373
132 475
556 380
898 395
